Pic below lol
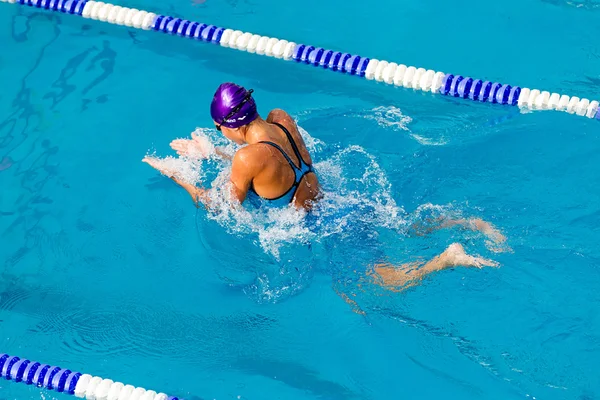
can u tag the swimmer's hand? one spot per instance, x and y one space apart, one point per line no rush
159 165
196 148
199 195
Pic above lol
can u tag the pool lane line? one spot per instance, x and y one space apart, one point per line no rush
379 70
432 81
71 382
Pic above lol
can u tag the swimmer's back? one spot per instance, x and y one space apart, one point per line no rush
308 188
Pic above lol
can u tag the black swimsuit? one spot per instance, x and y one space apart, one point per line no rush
299 172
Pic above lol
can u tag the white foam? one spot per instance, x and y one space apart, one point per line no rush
428 141
352 181
357 204
274 227
390 117
393 117
312 144
357 198
188 170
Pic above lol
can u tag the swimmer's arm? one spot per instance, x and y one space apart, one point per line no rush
199 195
243 171
222 154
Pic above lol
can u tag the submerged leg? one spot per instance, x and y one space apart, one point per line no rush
496 238
477 224
351 302
406 275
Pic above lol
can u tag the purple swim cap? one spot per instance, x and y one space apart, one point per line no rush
233 106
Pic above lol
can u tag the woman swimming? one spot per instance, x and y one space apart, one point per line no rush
276 166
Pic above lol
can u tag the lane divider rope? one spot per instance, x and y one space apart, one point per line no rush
379 70
71 382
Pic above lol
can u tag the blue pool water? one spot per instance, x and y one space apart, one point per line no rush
108 268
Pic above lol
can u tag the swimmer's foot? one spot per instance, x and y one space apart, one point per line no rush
487 229
408 275
455 256
496 240
198 147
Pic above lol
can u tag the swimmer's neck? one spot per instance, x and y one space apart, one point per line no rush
257 131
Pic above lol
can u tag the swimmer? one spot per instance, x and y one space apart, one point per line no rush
275 164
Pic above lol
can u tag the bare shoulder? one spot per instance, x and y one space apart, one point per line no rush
282 117
251 156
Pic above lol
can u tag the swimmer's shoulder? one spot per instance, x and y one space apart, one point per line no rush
251 154
283 118
251 158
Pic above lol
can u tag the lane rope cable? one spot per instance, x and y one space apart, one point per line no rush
391 73
64 380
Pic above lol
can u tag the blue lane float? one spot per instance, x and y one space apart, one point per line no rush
436 82
62 380
383 71
65 6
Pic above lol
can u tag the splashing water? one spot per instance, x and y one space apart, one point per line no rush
585 4
186 169
357 204
361 193
392 117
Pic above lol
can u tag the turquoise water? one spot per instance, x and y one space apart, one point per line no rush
108 268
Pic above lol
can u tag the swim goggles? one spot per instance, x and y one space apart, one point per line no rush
236 108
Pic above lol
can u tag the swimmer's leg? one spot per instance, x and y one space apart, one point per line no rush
473 224
407 275
351 302
477 224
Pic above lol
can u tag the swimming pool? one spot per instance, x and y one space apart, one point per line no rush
108 268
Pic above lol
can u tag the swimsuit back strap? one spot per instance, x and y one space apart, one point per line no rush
289 160
292 142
